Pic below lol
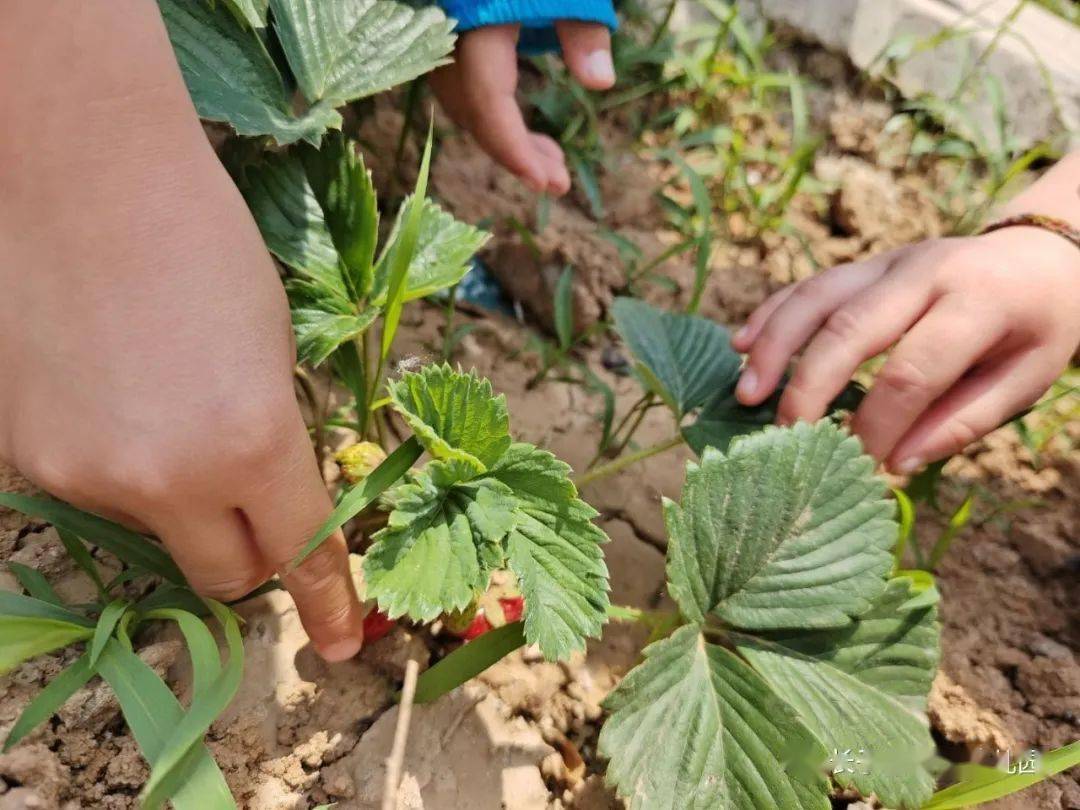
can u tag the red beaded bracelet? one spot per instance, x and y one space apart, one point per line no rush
1052 224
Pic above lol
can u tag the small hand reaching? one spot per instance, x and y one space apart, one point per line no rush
478 92
977 327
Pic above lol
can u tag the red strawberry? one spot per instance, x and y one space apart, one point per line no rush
513 607
477 627
377 625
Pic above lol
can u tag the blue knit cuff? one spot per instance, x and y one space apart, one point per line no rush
535 16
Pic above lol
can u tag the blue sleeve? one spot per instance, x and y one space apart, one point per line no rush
537 17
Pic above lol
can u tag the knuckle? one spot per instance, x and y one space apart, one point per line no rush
228 588
256 430
904 377
960 433
842 326
149 475
319 572
333 616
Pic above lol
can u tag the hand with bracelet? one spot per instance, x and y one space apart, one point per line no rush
977 329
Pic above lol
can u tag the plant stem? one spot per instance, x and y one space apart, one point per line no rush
662 28
401 735
363 409
618 428
622 463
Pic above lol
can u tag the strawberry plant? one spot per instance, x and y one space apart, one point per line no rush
799 654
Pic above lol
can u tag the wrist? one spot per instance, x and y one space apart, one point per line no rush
1035 248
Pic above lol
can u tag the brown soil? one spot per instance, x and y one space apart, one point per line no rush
523 735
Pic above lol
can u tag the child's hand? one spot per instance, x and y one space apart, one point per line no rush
145 347
477 92
980 327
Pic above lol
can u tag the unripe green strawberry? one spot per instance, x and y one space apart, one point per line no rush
359 460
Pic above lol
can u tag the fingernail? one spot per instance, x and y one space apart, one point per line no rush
909 465
747 383
340 650
599 68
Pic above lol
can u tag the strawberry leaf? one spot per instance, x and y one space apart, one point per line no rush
441 258
319 333
292 223
349 49
723 418
684 359
231 76
789 529
441 543
862 690
554 549
694 727
454 415
343 187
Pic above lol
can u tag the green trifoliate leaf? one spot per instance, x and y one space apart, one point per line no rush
723 418
347 49
440 546
554 549
444 250
862 690
342 185
319 333
685 359
694 727
789 529
231 77
454 415
292 223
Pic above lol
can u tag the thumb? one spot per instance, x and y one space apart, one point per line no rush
586 48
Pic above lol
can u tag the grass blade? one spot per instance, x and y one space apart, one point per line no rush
981 784
168 773
906 515
468 661
205 658
48 701
152 713
112 614
34 583
15 605
78 552
364 494
401 255
131 547
957 522
25 638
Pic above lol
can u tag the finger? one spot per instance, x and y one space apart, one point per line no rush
285 512
744 338
947 342
586 49
860 328
798 317
215 551
445 83
975 406
558 174
488 60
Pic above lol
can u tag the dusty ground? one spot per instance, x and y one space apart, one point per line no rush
523 736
